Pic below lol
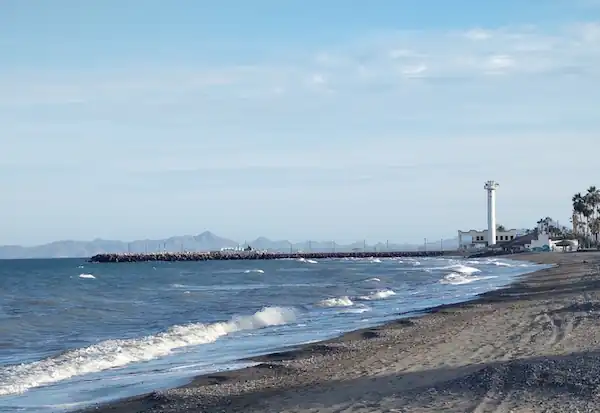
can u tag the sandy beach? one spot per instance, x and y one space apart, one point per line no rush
532 347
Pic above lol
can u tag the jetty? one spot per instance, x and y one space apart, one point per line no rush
259 255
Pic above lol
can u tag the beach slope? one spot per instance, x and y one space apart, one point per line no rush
532 347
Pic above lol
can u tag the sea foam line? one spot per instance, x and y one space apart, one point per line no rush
118 353
460 279
377 295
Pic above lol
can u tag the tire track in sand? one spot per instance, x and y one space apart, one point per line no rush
544 329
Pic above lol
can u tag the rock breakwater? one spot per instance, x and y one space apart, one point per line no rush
258 255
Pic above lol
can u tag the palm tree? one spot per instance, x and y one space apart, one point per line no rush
586 212
595 228
546 225
581 211
592 202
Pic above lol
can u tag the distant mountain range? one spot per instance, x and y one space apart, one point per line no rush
207 241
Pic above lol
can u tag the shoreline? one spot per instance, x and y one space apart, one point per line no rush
308 367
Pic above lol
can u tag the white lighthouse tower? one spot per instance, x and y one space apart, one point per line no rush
490 187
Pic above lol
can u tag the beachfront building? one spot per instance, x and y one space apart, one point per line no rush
539 240
474 239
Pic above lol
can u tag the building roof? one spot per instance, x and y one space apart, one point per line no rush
485 230
565 243
522 240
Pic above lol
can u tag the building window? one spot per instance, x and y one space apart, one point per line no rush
496 237
512 237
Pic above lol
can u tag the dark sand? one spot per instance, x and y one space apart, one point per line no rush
532 347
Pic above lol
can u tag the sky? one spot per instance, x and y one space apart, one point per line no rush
337 119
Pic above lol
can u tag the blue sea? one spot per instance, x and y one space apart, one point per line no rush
74 333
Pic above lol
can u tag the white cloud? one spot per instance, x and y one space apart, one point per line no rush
317 79
414 71
477 34
392 59
470 55
500 63
403 93
590 33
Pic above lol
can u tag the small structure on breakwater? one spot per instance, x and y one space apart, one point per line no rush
258 255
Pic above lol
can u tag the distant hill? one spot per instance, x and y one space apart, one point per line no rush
206 241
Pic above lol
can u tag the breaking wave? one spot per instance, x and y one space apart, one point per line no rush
455 278
377 295
344 301
118 353
306 260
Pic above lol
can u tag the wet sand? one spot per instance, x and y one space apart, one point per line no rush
532 347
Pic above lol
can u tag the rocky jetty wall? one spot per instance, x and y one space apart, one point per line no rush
257 255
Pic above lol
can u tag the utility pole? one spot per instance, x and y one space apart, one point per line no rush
333 243
291 249
364 245
425 243
442 245
310 245
387 245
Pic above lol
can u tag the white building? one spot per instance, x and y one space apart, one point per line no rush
545 242
474 239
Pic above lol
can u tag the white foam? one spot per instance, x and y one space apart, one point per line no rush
88 276
222 287
455 278
258 271
344 301
375 260
377 295
308 261
374 279
358 310
117 353
463 269
498 263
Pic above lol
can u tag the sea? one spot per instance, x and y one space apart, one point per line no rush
73 333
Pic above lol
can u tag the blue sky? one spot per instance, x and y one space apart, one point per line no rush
330 119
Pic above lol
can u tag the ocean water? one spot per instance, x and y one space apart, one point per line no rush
74 333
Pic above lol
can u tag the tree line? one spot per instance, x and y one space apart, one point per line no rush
586 216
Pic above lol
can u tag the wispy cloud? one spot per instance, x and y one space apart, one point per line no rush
385 117
398 57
